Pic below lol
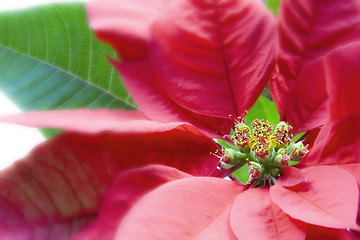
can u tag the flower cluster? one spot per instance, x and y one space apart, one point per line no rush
267 149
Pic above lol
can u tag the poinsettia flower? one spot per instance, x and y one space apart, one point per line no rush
313 200
126 140
297 70
191 61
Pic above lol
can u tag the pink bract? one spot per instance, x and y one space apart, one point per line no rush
228 54
309 30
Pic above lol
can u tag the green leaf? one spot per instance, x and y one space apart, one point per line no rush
263 109
224 143
243 174
298 136
266 93
273 6
50 59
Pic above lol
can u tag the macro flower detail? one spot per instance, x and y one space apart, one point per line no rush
260 141
282 135
241 137
191 65
267 150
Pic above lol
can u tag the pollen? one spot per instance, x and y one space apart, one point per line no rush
241 136
261 138
262 147
262 128
282 135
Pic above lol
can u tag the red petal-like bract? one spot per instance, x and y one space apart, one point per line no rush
291 176
92 121
321 233
329 198
190 208
197 63
308 30
213 57
338 143
127 189
123 24
342 70
85 120
158 106
311 137
255 216
55 191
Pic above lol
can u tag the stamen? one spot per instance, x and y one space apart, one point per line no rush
260 142
219 155
285 160
293 153
282 136
241 137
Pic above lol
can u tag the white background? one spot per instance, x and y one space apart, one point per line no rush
17 141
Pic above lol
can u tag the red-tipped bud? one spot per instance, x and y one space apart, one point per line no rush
281 160
297 150
233 157
256 171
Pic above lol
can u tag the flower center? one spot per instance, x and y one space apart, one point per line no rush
266 149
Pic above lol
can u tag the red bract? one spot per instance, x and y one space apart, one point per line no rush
338 143
149 175
192 54
55 191
312 202
212 208
308 30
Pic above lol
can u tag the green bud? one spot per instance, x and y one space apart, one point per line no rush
299 152
234 156
297 145
280 125
275 172
256 171
281 151
252 157
277 161
255 165
277 157
265 160
242 127
281 161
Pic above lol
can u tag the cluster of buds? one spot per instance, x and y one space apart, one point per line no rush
282 135
267 149
241 137
261 140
